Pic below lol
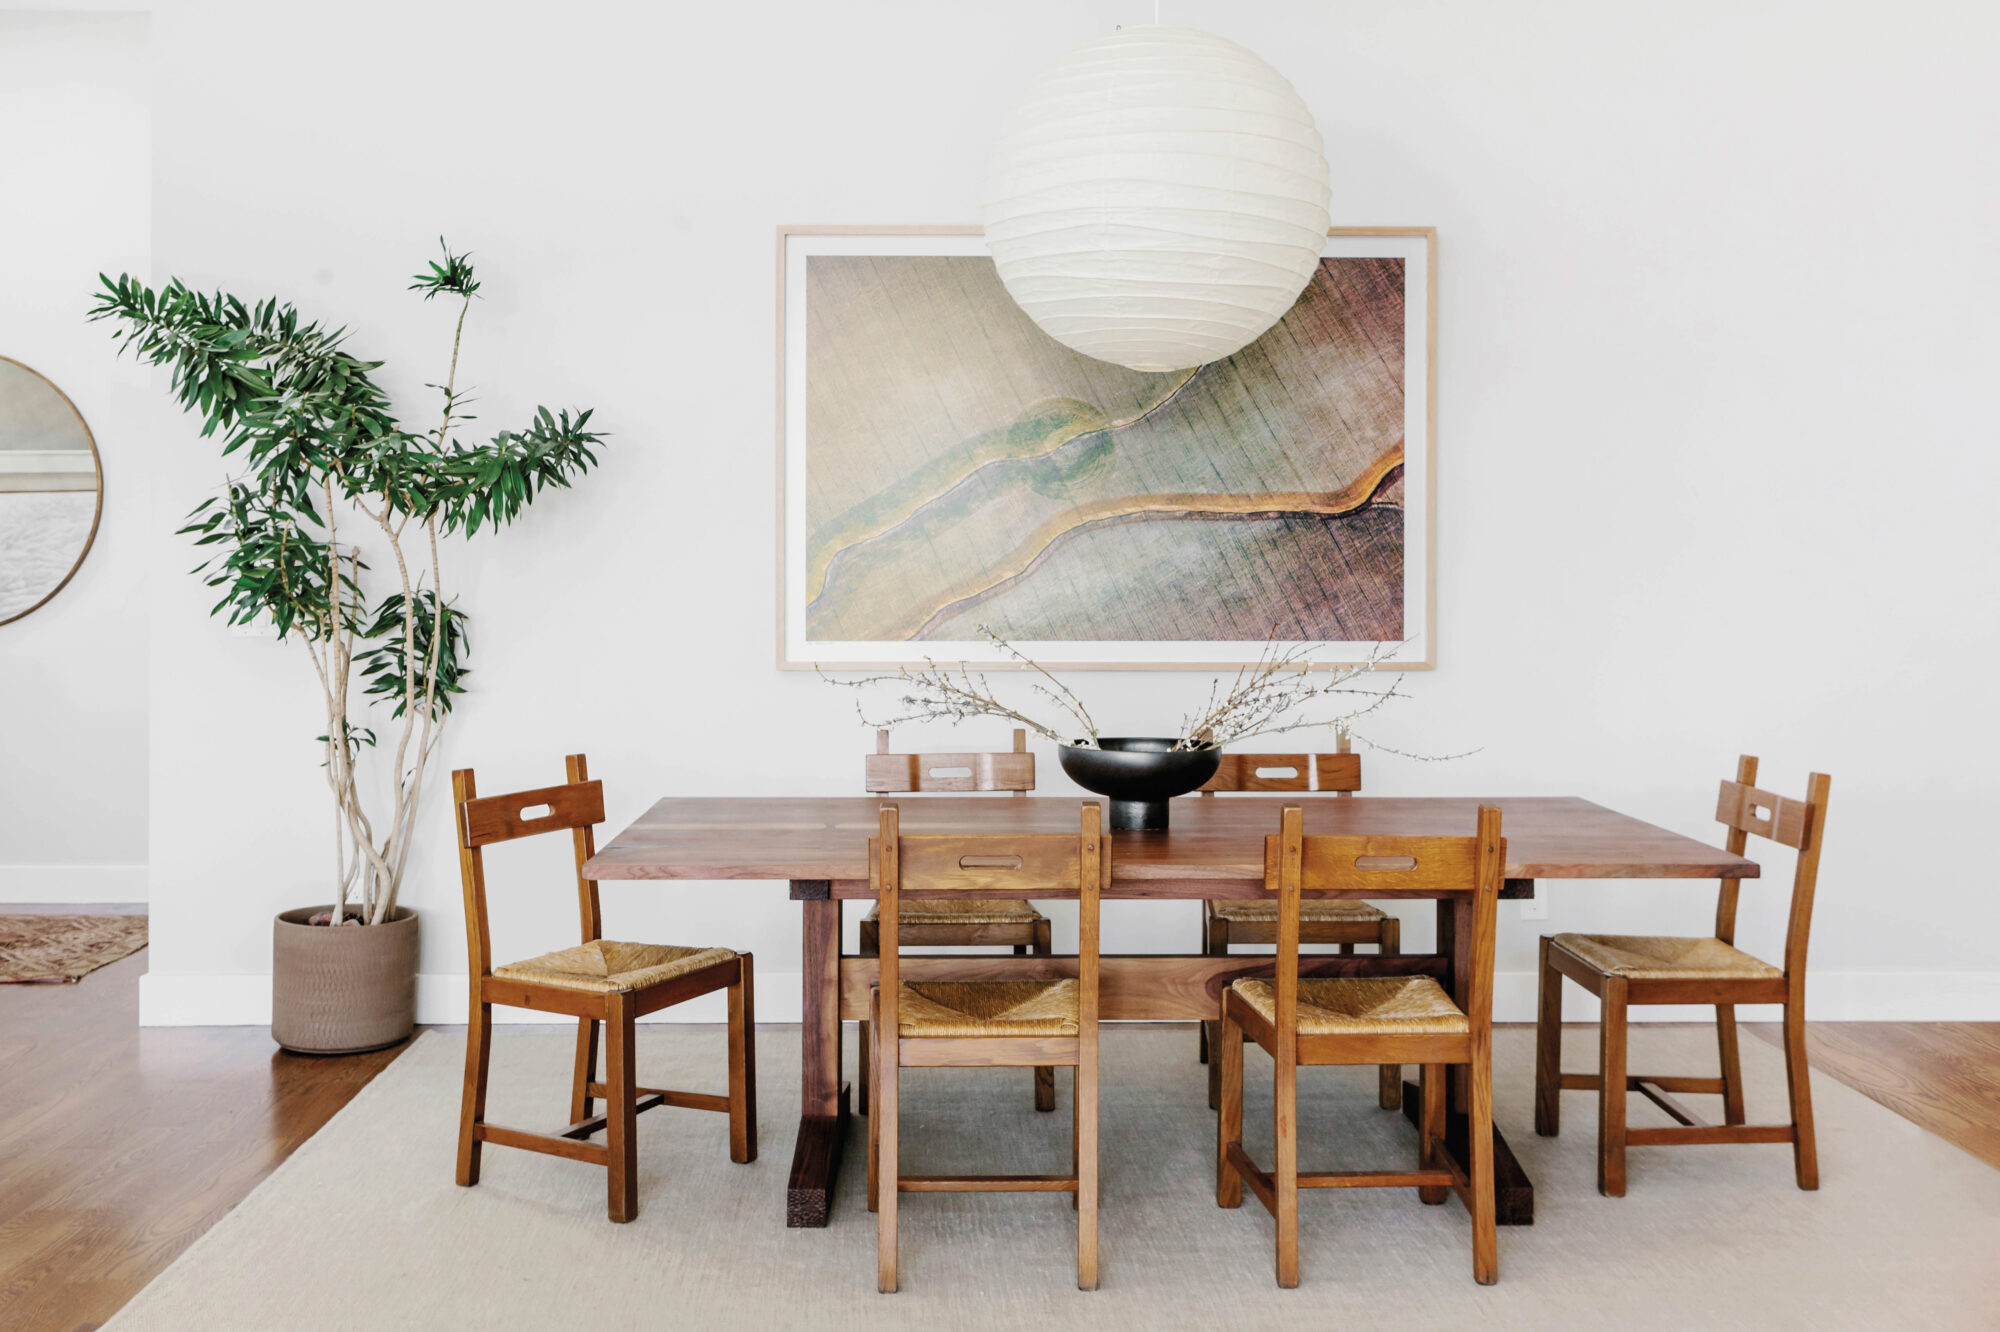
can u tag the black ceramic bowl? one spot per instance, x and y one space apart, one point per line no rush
1140 774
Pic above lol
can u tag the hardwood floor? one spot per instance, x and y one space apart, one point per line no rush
1944 1076
120 1146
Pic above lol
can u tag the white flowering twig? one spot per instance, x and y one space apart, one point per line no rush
1421 758
1269 697
936 694
1061 695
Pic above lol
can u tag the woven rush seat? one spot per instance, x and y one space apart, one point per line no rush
1256 910
924 910
1643 957
1384 1005
987 1008
604 967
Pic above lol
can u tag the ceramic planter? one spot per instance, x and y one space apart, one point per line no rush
342 989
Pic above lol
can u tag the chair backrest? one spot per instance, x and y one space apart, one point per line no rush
1260 772
888 773
576 805
990 866
1338 772
1799 824
1386 867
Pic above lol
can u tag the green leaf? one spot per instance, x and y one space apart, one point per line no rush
299 415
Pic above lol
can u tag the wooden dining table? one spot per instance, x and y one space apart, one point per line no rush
1215 849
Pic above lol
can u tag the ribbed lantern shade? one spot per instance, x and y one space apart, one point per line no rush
1158 199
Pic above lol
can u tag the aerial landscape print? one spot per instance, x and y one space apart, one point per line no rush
965 472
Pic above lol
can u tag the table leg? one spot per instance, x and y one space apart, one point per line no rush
1514 1192
822 1095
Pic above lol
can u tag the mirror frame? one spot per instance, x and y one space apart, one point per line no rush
96 517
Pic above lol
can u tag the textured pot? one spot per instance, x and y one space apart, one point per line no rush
1140 774
344 989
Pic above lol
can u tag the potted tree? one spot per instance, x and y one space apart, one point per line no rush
325 466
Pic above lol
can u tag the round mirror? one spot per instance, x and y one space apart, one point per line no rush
51 490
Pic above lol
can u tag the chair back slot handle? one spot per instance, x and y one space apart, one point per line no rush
989 862
531 812
1385 862
950 772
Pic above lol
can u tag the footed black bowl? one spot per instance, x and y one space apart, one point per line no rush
1140 774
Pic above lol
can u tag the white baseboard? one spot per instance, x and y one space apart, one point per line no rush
204 1001
116 884
1838 996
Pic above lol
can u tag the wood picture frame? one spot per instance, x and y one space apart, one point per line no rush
843 596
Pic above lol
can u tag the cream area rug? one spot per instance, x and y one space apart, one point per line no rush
36 950
363 1228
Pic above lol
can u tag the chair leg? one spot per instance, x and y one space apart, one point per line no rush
1611 1095
888 1172
869 1060
580 1099
870 946
1201 1030
743 1064
1548 1047
1732 1064
1285 1175
620 1121
1045 1078
1075 1139
1798 1076
867 1072
1479 1150
1389 1091
1226 1056
472 1108
1085 1148
1216 944
1431 1082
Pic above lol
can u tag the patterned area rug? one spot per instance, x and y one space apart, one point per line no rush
61 950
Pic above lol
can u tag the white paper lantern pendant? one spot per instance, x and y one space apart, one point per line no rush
1158 199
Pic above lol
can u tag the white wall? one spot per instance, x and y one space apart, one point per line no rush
75 163
1716 432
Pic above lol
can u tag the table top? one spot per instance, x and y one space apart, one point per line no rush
1212 841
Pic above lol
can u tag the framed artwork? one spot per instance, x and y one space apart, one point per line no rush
947 470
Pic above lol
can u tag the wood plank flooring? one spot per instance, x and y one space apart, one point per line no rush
120 1146
1944 1076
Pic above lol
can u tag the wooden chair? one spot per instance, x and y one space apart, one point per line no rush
983 1024
1329 921
956 924
1625 970
598 981
1367 1020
